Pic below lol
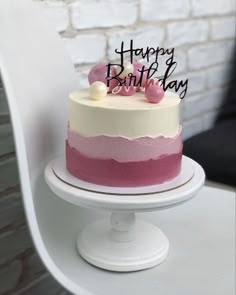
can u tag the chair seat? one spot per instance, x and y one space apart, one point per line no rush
199 253
215 150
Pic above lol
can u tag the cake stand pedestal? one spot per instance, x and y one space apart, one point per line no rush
123 244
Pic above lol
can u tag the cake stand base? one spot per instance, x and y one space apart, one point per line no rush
124 245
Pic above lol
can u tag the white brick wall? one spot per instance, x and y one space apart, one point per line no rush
82 72
209 119
202 31
217 76
58 13
164 10
96 14
196 83
143 36
181 58
223 28
209 54
86 48
186 32
202 103
209 7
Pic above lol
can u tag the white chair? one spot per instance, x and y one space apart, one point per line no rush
38 75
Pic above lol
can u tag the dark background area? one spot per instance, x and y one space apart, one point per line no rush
215 149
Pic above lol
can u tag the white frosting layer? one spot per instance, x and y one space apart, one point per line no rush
127 116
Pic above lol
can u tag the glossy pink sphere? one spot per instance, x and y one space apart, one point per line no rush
127 89
138 66
150 82
99 73
154 93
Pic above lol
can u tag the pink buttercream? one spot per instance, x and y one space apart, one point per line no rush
129 174
124 149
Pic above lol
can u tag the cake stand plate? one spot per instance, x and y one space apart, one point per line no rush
187 171
122 244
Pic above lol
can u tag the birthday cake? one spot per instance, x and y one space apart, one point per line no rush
122 133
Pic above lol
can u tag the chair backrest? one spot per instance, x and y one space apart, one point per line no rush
37 75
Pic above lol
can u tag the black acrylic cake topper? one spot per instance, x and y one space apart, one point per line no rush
152 70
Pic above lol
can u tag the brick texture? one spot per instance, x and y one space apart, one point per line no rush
186 32
202 56
164 10
208 7
217 76
86 48
202 31
223 28
202 103
140 35
82 73
58 13
97 14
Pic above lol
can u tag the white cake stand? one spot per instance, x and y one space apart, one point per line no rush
124 244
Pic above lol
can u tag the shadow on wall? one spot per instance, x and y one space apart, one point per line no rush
215 149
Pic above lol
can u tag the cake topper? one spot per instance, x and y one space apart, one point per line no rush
144 73
130 76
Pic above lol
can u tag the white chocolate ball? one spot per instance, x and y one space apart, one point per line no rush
98 90
128 69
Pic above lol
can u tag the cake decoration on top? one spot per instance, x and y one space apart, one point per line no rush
98 90
127 70
154 93
133 76
125 82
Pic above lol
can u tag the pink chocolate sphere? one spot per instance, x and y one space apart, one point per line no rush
127 89
138 66
154 93
99 73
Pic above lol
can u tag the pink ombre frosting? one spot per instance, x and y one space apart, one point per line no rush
123 149
114 173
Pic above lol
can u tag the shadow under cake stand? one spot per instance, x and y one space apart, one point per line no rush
122 243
